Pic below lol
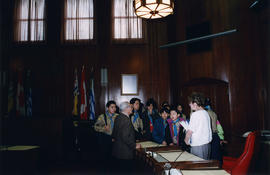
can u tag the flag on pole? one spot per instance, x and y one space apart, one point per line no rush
28 94
92 101
83 112
10 97
20 106
75 94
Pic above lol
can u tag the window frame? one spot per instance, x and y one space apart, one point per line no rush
64 41
126 40
16 22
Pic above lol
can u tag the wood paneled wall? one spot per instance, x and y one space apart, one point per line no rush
53 65
238 59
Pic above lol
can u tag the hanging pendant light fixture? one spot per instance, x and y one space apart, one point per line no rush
152 9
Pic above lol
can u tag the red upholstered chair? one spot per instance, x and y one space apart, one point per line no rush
239 166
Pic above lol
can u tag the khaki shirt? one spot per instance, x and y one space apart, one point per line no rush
100 124
137 124
213 117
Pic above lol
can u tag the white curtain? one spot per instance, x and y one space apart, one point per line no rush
126 25
29 20
79 20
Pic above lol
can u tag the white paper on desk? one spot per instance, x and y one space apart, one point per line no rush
184 123
185 156
173 171
148 144
204 172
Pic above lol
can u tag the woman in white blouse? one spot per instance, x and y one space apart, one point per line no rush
199 134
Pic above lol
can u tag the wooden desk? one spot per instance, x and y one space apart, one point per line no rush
19 159
156 157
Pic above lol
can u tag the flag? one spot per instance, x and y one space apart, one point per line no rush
28 94
10 97
75 94
92 101
20 107
83 112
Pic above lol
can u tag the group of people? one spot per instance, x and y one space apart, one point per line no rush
118 133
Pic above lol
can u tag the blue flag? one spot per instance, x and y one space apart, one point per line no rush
92 101
28 94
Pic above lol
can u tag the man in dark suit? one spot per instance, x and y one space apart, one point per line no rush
124 139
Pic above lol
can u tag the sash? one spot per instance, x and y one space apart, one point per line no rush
151 122
175 127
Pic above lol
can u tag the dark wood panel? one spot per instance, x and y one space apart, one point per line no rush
214 89
240 59
237 59
43 132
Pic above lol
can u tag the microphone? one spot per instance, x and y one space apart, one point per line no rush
151 153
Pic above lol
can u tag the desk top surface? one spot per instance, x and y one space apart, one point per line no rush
204 172
150 144
178 156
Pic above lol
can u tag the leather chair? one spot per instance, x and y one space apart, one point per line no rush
240 166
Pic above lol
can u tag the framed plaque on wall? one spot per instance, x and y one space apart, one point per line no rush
129 84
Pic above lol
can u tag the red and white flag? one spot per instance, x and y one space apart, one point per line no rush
83 111
20 103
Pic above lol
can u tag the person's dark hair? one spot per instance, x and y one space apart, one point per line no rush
167 106
117 110
133 100
164 110
108 104
179 104
151 101
175 109
207 102
164 103
197 98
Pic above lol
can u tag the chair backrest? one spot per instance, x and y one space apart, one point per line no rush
243 162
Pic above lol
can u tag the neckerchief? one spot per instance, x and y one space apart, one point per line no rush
151 121
175 127
207 107
111 118
164 123
136 115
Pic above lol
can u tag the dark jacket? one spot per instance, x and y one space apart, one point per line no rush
123 133
146 124
159 131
